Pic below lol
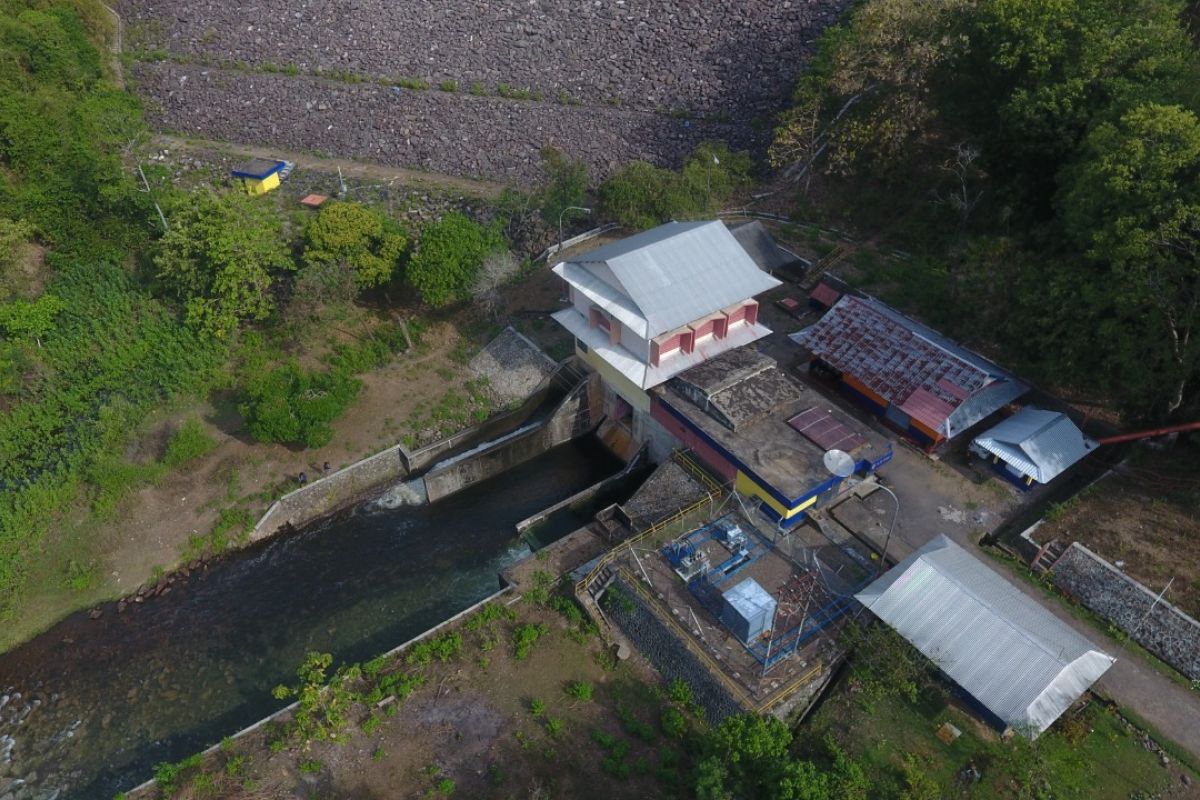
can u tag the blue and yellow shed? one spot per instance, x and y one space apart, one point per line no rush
259 175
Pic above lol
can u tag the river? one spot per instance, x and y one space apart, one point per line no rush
101 701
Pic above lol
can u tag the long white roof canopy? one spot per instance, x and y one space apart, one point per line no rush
1012 655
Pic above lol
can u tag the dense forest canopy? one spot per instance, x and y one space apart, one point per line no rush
1058 141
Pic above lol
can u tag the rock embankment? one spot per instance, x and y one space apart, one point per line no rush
454 134
605 81
705 57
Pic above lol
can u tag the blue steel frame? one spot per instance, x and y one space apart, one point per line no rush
707 589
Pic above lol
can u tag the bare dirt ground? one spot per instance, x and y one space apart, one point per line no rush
472 731
1143 517
350 168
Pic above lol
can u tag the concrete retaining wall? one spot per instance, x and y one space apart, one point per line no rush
466 612
1165 631
331 492
573 418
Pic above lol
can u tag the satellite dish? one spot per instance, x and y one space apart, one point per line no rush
839 463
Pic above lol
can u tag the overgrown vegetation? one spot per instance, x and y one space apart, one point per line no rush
641 195
1046 158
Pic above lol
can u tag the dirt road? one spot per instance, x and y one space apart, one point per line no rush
363 170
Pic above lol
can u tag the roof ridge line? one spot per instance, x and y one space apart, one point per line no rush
993 576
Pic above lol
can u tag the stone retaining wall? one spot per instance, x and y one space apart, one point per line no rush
670 657
327 494
1165 631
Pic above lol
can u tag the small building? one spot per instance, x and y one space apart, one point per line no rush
1033 445
768 254
259 175
1019 663
648 307
827 292
761 429
748 611
921 383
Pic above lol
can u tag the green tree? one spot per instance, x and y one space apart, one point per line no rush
1133 202
221 257
448 258
565 185
870 93
356 238
641 195
748 756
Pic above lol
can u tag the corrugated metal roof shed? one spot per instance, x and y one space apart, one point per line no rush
762 247
673 274
906 363
1016 658
1038 443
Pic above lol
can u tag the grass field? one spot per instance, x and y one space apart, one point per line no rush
1090 753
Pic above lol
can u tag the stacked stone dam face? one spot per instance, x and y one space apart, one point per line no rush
669 655
618 80
1155 624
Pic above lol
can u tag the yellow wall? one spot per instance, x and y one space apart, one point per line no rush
268 183
630 391
746 486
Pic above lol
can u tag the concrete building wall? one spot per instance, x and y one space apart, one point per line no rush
578 414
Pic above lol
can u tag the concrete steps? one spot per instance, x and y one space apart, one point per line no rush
1047 555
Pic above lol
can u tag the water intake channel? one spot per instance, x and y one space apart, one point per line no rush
93 704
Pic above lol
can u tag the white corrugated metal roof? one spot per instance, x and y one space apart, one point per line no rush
1037 442
1016 658
673 274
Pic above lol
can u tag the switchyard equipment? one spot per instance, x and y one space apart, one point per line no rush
687 560
731 535
748 610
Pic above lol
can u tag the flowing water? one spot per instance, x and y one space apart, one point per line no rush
93 704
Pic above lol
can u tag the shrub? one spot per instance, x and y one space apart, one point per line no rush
537 707
524 637
680 691
554 726
356 238
580 690
291 405
189 442
674 723
641 195
448 258
310 766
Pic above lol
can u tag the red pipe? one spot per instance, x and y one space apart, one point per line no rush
1129 437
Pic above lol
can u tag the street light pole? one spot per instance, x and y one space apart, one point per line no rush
891 526
842 465
560 222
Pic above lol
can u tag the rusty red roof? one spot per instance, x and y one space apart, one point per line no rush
912 367
825 294
819 426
